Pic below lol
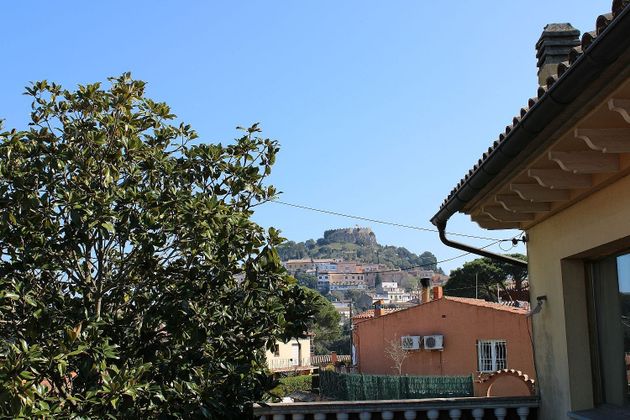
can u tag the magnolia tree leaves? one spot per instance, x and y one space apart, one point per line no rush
133 281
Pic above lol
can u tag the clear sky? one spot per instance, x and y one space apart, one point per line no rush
380 107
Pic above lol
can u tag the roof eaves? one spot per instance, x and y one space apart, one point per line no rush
584 63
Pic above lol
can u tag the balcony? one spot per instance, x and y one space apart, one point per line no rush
477 408
282 365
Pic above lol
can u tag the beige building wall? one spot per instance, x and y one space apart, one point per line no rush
285 356
558 249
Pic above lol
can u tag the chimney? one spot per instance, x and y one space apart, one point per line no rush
438 292
378 308
426 283
553 47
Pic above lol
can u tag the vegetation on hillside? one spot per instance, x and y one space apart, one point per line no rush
348 247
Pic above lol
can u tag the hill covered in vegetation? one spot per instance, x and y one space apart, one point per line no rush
358 244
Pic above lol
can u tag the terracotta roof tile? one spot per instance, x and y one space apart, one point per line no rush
602 22
370 313
618 6
485 304
574 54
587 39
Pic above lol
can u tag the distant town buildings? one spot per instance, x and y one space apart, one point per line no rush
334 274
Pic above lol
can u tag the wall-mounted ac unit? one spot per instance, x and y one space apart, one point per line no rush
433 342
410 342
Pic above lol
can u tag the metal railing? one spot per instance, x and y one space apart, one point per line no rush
324 359
501 408
275 364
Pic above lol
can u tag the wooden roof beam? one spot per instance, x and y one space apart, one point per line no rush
517 204
607 140
622 106
489 223
538 193
588 162
559 179
502 215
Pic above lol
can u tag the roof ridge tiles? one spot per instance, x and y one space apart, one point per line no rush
574 54
486 304
618 6
602 22
587 39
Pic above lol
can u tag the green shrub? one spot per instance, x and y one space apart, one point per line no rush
292 384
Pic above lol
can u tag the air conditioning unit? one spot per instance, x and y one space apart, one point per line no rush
433 342
410 342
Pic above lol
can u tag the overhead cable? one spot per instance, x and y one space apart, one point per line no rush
396 270
382 222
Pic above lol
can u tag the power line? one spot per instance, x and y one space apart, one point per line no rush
397 270
382 222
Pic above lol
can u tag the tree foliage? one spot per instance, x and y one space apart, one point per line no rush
306 279
482 277
363 251
325 324
133 281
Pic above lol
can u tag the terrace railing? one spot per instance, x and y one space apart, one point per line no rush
478 408
285 364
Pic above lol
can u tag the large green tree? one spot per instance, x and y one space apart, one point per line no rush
133 281
325 324
483 277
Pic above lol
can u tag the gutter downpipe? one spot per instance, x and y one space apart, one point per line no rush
498 257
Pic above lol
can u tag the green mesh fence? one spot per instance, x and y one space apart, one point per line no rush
352 387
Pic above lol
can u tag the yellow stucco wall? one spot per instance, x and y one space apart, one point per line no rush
285 351
560 329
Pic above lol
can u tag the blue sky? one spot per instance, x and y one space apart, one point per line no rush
380 107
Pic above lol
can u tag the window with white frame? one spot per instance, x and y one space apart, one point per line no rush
491 355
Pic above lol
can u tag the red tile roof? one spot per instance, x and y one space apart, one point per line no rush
370 313
486 304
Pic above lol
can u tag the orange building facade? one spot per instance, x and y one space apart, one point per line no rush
478 338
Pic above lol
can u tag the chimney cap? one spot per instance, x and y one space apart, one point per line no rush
560 29
556 38
553 47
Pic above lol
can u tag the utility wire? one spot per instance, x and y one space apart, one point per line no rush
397 270
382 222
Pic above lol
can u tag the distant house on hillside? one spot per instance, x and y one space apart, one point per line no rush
391 294
333 281
294 355
448 336
311 265
343 307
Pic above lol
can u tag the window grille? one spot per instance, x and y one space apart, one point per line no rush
492 355
407 342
